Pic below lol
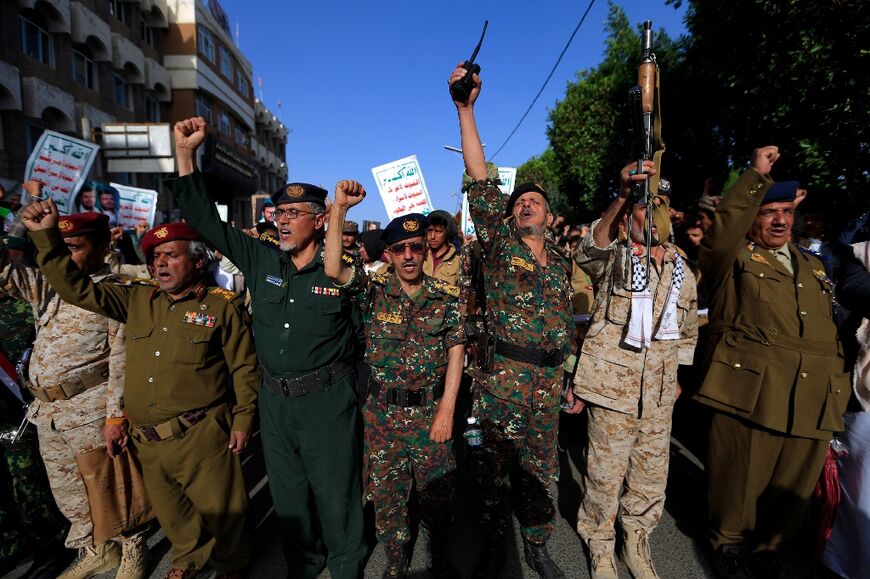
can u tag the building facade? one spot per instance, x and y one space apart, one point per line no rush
72 66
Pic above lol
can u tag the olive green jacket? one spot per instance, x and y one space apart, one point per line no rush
772 357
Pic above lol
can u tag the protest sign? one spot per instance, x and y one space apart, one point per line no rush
508 177
402 188
135 205
61 164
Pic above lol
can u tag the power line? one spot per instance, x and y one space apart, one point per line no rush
549 76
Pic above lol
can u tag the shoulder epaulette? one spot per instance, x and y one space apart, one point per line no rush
379 278
348 259
224 293
449 289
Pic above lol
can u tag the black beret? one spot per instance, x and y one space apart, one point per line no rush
299 193
781 191
405 227
372 241
520 189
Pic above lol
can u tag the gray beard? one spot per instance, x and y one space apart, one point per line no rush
288 246
535 231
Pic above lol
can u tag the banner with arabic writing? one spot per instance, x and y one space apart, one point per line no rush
402 188
136 205
61 164
508 177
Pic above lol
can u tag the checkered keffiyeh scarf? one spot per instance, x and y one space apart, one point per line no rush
640 324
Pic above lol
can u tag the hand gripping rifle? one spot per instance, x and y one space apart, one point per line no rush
646 122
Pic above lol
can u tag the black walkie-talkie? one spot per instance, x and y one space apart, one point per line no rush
461 89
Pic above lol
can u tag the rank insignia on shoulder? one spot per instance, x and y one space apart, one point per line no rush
447 288
750 245
198 319
520 262
389 318
223 293
379 278
758 258
348 259
326 291
275 280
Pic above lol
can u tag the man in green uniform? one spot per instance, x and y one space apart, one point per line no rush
528 312
308 348
415 349
774 371
186 342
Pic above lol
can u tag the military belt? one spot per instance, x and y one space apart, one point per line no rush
72 387
405 397
740 329
534 356
172 427
307 383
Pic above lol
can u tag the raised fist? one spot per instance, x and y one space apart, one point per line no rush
348 193
190 133
764 158
40 215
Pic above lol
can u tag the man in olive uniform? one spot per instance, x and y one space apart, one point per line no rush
186 343
307 343
350 237
415 349
77 379
528 311
442 259
774 369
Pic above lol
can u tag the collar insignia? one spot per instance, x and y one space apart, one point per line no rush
758 258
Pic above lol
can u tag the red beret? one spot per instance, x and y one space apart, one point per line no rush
84 224
165 233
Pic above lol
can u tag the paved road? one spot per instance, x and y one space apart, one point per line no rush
676 545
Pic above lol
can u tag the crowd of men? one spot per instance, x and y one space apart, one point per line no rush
321 332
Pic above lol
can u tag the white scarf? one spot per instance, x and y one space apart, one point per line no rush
640 323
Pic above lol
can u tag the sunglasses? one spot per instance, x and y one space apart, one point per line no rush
399 248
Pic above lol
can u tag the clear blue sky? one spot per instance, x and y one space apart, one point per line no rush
365 83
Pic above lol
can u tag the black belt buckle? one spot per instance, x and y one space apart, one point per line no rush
292 387
150 433
406 398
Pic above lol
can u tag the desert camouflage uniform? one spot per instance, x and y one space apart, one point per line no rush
529 306
70 343
28 516
630 394
407 344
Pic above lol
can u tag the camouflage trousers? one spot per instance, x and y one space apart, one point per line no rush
398 454
626 455
519 458
29 519
59 449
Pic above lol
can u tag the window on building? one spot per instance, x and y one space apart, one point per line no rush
152 109
241 138
205 42
203 106
224 124
84 70
146 33
226 63
123 11
242 84
31 136
36 42
122 91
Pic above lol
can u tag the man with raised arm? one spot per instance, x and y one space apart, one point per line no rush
306 341
415 350
528 312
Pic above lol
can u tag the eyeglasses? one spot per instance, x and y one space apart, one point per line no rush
291 214
399 248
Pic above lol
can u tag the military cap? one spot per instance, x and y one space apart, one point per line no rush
88 223
165 233
12 242
520 189
299 193
351 227
441 217
373 243
405 227
781 191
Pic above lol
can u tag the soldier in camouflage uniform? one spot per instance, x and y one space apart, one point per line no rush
415 350
29 519
528 311
627 376
76 378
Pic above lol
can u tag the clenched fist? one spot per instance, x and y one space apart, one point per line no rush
40 215
190 133
764 158
348 193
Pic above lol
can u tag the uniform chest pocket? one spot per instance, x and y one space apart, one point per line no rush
434 324
271 294
382 330
618 304
138 337
190 345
